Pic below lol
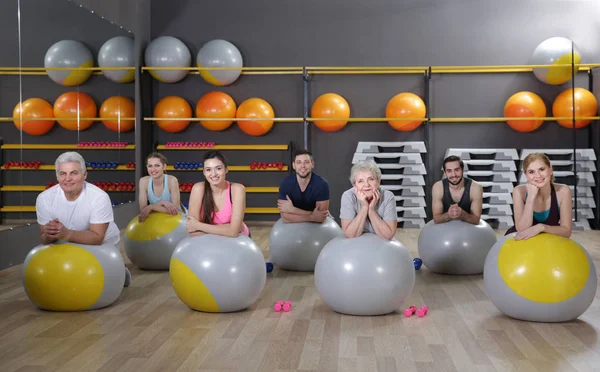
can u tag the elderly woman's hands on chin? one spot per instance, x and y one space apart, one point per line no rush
375 200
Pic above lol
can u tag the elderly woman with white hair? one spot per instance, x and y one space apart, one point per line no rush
366 207
75 210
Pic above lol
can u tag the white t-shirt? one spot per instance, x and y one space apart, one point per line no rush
93 206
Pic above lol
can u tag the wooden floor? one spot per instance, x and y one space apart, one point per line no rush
149 329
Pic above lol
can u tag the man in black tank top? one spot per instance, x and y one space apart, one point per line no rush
456 197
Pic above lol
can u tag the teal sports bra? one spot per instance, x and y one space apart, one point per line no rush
542 216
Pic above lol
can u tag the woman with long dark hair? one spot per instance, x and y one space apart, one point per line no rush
217 206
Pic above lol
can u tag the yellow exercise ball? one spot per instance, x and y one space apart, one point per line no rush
546 278
73 277
150 244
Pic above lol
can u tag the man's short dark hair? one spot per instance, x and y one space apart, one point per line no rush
302 152
453 158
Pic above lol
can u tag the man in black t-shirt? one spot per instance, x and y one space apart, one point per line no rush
456 197
304 195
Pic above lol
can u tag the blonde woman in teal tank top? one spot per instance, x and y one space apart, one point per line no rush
540 205
159 192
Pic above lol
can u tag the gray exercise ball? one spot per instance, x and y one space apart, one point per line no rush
149 245
117 52
367 275
455 247
67 276
219 53
296 246
167 51
218 274
546 278
68 54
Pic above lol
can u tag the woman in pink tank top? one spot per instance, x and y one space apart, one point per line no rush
217 206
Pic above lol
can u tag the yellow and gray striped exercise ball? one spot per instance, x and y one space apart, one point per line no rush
559 52
73 277
546 278
218 274
117 52
168 51
68 54
149 245
219 53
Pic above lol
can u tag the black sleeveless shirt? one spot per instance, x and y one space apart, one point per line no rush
465 200
553 217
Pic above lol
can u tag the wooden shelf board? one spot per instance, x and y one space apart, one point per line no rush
26 146
228 147
51 167
259 190
233 168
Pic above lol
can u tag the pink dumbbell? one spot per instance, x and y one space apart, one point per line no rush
422 311
410 311
287 306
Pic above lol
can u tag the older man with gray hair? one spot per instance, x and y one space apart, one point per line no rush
366 207
75 210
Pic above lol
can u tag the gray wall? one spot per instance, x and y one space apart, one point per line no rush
42 24
121 13
384 32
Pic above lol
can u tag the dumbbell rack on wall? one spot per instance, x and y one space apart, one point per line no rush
27 180
182 169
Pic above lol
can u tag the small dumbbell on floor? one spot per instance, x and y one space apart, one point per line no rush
413 309
280 305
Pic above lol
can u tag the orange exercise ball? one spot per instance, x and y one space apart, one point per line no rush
255 108
330 105
118 107
405 105
76 105
172 107
525 105
216 105
585 105
33 108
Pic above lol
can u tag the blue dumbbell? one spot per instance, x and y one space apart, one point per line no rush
269 267
176 165
417 262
